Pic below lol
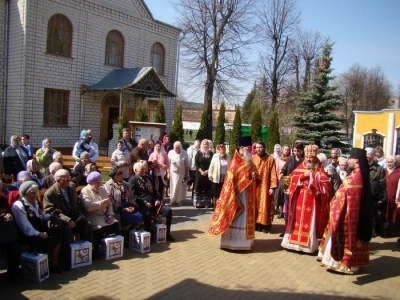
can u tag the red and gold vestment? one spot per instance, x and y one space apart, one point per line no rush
346 248
240 176
309 198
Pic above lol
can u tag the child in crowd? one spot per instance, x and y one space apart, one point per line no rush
83 144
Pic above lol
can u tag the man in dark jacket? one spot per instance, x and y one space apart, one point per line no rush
378 190
291 164
62 196
147 198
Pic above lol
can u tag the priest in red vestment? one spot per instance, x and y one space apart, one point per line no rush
234 216
309 196
345 245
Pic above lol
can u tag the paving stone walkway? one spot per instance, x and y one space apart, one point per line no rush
195 268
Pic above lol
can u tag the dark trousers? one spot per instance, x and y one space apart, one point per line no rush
98 234
84 228
192 174
286 203
148 213
13 257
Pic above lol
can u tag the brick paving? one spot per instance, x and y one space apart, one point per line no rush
195 268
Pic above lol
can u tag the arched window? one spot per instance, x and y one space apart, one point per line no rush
157 58
59 36
114 49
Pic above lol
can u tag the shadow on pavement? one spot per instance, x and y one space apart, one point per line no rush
381 268
192 289
54 282
183 214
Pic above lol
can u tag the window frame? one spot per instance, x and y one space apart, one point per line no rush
52 26
120 48
155 51
59 99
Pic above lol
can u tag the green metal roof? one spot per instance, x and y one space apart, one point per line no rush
143 81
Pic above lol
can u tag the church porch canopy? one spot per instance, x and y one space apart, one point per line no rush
141 81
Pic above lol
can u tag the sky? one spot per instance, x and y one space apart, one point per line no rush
364 31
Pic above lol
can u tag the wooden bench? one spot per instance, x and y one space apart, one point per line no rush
103 162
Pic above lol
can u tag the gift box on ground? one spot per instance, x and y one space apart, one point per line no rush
139 240
81 254
35 266
112 247
159 233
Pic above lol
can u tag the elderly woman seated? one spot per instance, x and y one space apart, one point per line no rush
37 227
13 189
32 166
44 155
147 197
99 210
79 172
125 208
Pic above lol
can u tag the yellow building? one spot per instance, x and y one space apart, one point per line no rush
378 128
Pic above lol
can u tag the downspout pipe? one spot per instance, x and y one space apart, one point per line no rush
24 61
178 50
5 89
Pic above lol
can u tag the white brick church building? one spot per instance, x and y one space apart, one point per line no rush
66 65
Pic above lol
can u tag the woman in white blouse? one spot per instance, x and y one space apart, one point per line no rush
217 171
32 222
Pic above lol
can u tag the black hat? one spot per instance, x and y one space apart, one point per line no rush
244 141
357 153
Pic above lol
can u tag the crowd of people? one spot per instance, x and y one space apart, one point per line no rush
335 205
76 202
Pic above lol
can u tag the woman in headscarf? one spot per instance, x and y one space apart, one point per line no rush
99 210
218 169
124 206
14 157
33 223
32 166
202 186
120 157
277 151
160 166
178 174
44 155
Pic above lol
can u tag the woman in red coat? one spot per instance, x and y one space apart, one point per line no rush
392 181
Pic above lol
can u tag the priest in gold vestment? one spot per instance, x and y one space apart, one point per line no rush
234 215
266 184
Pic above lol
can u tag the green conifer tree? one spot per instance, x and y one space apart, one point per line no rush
176 132
123 121
220 129
317 121
141 112
202 132
248 105
273 132
236 132
256 124
160 113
